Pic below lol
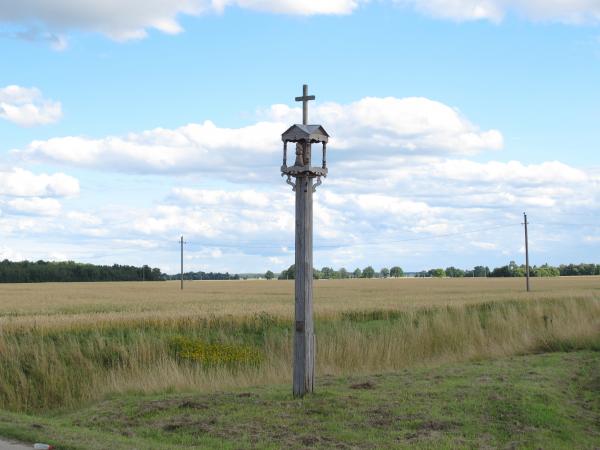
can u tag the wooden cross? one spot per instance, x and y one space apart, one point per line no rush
305 99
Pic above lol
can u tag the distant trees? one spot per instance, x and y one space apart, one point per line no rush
546 271
503 271
368 272
437 273
288 274
69 271
480 271
203 276
44 271
396 272
579 269
327 273
432 273
453 272
510 270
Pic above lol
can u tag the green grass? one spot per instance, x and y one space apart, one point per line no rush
66 367
549 400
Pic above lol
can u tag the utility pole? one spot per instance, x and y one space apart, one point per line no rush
182 242
526 251
304 174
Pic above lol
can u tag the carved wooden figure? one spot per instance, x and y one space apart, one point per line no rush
304 174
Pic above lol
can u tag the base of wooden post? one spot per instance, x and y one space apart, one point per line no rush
304 372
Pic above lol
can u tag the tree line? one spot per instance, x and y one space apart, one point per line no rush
342 273
514 270
510 270
203 276
69 271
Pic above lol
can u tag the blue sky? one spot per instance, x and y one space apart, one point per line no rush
125 124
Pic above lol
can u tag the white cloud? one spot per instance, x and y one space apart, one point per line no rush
246 197
27 107
218 215
566 11
191 148
118 19
512 171
411 125
493 184
485 245
382 125
431 228
140 243
10 254
23 193
276 261
299 7
123 20
22 183
35 206
83 218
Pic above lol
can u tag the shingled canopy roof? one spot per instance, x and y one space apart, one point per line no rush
311 133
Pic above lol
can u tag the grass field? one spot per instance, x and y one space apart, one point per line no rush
549 401
64 347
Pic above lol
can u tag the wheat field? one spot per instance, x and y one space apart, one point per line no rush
62 345
57 304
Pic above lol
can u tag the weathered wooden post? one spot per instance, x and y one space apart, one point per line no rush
304 173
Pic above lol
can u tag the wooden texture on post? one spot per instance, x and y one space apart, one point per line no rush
304 341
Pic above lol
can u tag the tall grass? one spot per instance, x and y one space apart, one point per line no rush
43 368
